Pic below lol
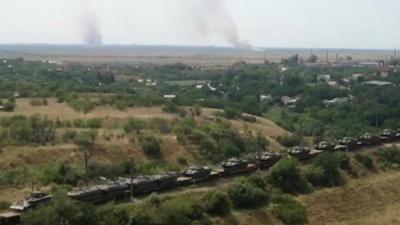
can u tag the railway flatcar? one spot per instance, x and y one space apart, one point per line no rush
346 144
368 140
325 146
388 135
98 194
32 201
235 166
300 152
10 218
268 159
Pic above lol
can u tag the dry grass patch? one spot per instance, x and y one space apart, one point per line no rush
361 201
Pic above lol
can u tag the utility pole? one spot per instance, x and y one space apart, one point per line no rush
86 161
131 179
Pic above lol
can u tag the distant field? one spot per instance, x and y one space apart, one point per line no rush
200 56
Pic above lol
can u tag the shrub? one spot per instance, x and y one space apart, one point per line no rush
150 145
69 135
389 157
245 195
4 205
325 171
289 211
290 140
287 176
134 125
366 160
179 211
217 203
94 123
343 159
231 113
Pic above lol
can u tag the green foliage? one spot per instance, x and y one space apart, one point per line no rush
217 203
343 159
151 145
287 175
389 157
231 113
60 211
4 205
289 211
366 160
325 171
246 195
20 130
69 135
290 140
134 125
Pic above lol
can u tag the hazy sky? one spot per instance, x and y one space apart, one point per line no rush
266 23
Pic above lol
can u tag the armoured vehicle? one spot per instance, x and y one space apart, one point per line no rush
10 218
235 166
98 194
34 200
268 159
346 144
300 152
368 139
195 174
167 180
398 133
325 146
387 135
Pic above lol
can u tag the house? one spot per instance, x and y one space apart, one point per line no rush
169 96
377 83
265 98
336 101
288 101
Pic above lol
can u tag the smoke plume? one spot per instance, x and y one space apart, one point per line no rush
91 31
212 17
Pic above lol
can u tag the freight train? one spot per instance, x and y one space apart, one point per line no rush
124 187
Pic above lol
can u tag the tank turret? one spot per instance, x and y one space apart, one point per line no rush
368 139
299 152
32 201
268 159
198 172
325 146
167 180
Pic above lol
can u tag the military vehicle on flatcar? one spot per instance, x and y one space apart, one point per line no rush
32 201
235 166
267 159
299 152
10 218
368 140
98 194
346 144
196 174
167 180
325 146
388 135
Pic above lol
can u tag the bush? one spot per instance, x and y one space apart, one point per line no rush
366 160
179 211
4 205
343 159
389 157
150 145
325 171
231 113
289 211
134 125
217 203
245 195
287 176
69 135
94 123
290 140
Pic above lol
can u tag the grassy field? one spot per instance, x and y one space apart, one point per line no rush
371 200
